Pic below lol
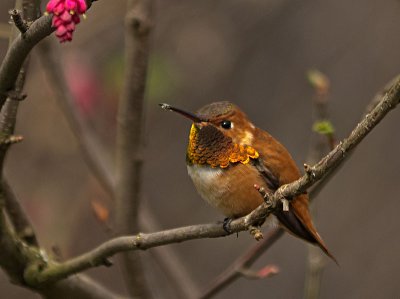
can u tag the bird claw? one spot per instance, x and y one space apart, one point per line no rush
226 225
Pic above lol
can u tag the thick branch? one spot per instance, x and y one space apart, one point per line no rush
97 256
18 51
138 25
15 252
21 224
12 259
14 234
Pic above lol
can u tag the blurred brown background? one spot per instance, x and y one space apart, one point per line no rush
255 54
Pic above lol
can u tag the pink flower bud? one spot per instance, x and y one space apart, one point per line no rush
66 16
70 4
51 5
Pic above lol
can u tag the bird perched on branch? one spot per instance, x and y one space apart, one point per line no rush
227 155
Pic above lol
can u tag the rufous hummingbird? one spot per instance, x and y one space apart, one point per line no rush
227 156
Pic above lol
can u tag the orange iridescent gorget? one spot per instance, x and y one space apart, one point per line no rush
210 146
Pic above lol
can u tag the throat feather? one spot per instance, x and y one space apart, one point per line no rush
209 146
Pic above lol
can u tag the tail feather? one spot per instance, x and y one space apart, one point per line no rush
302 228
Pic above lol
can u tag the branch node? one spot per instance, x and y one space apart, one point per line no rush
16 96
28 235
107 262
18 20
261 190
138 240
139 24
256 233
12 139
308 169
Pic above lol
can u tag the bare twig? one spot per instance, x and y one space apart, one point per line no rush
138 25
246 260
18 21
320 143
168 260
97 256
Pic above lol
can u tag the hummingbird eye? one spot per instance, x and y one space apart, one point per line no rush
226 124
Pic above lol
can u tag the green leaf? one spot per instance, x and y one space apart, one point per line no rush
323 127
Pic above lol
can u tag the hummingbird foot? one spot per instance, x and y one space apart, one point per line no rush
226 225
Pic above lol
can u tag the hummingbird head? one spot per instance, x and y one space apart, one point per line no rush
220 134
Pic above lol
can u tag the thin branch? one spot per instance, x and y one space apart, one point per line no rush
320 142
168 260
18 21
97 256
12 260
101 167
129 160
95 158
246 260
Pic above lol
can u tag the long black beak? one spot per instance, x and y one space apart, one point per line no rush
186 114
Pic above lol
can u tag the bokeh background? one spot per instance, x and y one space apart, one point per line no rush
256 54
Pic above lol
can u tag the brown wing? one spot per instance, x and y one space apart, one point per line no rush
278 168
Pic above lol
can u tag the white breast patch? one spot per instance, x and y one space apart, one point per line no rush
208 182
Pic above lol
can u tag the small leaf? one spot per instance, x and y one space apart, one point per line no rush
323 127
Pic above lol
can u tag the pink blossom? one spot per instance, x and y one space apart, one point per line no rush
65 16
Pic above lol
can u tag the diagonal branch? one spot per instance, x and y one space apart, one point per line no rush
246 260
95 158
97 256
230 275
